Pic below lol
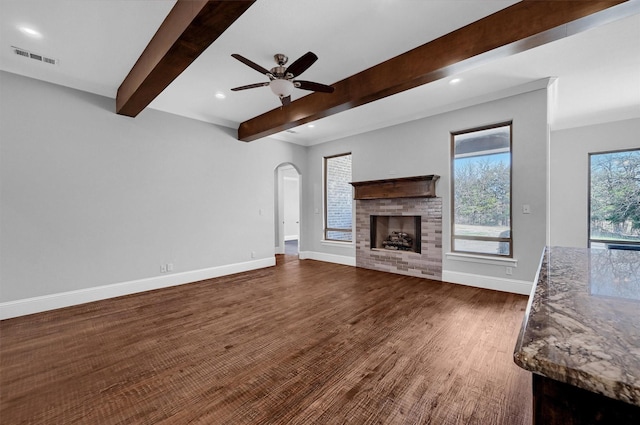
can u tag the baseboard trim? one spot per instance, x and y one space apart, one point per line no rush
328 258
487 282
33 305
478 281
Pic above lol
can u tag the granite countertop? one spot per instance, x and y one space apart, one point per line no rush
582 325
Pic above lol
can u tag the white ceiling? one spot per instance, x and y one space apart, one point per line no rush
97 42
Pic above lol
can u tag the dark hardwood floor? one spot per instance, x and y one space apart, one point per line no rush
304 342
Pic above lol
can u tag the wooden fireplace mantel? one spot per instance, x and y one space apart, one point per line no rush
405 187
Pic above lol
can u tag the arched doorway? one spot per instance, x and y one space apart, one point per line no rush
287 209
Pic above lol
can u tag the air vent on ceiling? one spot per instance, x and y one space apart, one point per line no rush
27 54
292 131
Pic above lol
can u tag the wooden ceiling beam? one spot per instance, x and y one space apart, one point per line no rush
187 31
522 26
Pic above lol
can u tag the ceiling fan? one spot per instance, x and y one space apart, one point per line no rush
281 78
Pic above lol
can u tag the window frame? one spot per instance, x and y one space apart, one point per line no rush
453 191
326 228
605 242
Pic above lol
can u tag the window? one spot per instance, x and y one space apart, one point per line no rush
338 198
614 199
481 191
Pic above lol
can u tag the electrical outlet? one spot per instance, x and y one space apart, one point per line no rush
170 267
163 268
509 270
253 254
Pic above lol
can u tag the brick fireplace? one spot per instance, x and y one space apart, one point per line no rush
406 197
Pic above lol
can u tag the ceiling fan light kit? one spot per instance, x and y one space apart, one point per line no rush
281 88
281 78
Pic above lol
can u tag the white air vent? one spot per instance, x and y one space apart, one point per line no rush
291 131
21 52
27 54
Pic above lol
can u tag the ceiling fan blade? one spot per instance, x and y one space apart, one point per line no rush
250 86
310 85
285 100
302 64
251 64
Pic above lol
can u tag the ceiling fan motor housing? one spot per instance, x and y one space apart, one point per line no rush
280 72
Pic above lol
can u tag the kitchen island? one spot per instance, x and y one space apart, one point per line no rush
580 337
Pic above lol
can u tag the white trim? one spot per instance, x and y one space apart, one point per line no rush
26 306
329 258
291 238
472 258
488 282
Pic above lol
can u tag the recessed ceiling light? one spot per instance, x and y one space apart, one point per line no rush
30 31
220 95
455 81
311 125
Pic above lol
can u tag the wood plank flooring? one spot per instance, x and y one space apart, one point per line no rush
304 342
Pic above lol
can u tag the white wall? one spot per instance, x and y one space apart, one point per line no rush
423 147
91 198
569 167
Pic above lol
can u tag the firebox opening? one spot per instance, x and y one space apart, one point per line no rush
396 232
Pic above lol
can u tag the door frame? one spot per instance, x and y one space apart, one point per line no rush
279 205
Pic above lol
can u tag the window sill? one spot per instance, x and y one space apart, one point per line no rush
337 243
474 258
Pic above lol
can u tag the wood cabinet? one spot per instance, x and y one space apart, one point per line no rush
557 403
